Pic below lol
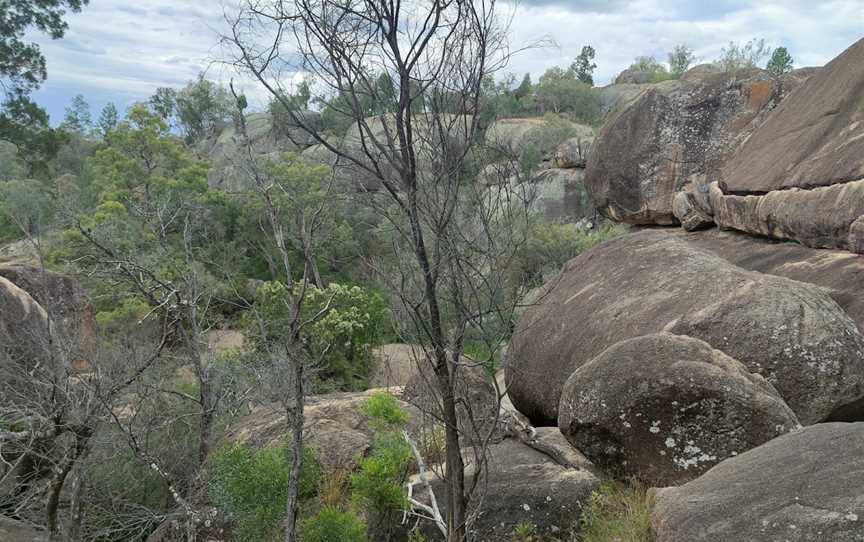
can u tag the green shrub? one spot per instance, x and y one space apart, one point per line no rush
384 411
550 246
332 524
251 487
377 484
617 513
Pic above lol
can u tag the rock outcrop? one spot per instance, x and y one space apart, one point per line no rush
671 132
665 408
225 151
792 333
801 487
523 485
335 427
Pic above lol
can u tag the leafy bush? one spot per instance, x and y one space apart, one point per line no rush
251 488
655 71
736 57
332 524
617 513
550 246
376 487
384 412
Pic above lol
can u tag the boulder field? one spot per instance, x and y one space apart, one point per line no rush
792 333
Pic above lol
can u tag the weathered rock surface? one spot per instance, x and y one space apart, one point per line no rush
800 175
23 328
815 138
822 217
792 333
666 408
557 195
335 427
524 485
801 487
672 131
267 142
573 153
839 272
514 135
477 401
16 531
61 294
688 211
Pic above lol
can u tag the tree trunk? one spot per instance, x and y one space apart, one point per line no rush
295 419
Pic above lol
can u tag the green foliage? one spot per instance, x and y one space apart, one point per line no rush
781 62
655 71
78 118
10 165
351 321
201 108
583 67
356 320
25 207
617 513
550 246
680 59
377 484
561 91
251 487
22 65
735 56
525 532
108 120
332 524
384 411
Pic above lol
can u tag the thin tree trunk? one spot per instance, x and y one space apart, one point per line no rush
295 420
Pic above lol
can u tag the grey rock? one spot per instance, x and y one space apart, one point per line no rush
804 486
648 282
665 408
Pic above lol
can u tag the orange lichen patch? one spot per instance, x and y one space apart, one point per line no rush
759 94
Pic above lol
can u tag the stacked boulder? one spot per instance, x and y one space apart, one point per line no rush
659 359
780 157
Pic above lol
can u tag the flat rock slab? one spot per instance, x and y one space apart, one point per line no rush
805 486
814 138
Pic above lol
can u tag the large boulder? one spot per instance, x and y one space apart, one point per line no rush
522 486
839 272
792 333
671 132
23 330
477 405
801 487
801 174
61 295
666 408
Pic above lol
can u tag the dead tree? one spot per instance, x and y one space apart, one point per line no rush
432 57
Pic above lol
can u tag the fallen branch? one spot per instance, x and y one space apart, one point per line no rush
432 512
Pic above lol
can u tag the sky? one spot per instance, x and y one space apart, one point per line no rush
121 51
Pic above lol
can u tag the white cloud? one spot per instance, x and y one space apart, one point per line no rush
114 50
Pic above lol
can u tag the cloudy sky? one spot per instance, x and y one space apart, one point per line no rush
120 51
